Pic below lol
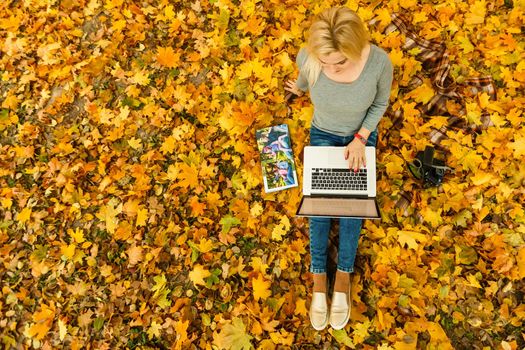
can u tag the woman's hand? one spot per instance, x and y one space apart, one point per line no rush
355 154
291 86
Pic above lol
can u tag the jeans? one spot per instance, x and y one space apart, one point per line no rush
349 229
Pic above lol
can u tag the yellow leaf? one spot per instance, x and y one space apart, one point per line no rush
473 282
135 143
205 245
361 331
278 232
465 44
154 330
395 166
518 146
24 215
77 235
119 25
477 13
140 78
396 56
432 216
62 329
300 307
256 209
481 178
437 335
233 336
198 274
6 202
68 251
423 93
261 288
258 265
410 238
108 213
173 171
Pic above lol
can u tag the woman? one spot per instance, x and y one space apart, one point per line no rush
349 81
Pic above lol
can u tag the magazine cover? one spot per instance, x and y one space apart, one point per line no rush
278 166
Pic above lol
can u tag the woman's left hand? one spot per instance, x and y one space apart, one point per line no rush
355 154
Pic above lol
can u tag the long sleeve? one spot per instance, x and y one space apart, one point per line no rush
301 83
380 103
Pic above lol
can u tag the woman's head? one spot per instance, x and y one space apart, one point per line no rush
336 34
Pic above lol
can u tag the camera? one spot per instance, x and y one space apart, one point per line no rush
428 168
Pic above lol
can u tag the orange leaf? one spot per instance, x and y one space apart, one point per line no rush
43 320
188 176
167 57
197 208
134 254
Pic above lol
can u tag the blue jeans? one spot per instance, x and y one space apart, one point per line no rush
349 229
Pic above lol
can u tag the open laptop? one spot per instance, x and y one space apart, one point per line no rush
331 189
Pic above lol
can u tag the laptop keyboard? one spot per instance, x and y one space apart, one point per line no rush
338 179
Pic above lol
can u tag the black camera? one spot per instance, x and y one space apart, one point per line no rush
427 168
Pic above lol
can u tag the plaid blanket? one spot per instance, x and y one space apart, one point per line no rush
436 66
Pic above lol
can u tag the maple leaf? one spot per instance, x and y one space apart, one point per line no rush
423 93
142 217
233 336
261 288
43 321
188 176
477 12
134 253
154 330
181 329
108 213
361 331
410 238
24 215
198 274
228 222
167 57
518 145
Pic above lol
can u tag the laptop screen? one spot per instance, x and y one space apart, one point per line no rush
339 207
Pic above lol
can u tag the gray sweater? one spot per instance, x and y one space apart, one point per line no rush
343 108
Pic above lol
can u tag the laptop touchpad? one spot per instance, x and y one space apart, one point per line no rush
339 207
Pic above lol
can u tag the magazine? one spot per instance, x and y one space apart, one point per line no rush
278 166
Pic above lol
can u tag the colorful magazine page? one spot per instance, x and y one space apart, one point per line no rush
278 166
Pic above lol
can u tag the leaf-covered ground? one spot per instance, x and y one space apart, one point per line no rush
132 213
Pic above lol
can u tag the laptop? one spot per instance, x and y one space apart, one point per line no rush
331 189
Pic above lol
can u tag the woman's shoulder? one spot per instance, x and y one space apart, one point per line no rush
381 56
379 52
302 55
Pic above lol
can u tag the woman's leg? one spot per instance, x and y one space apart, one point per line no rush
320 227
349 230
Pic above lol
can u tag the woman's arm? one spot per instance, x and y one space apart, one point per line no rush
380 103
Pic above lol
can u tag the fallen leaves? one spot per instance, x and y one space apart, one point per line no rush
131 210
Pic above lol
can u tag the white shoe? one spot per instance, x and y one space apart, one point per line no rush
319 311
340 309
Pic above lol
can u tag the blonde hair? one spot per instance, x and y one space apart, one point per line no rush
337 29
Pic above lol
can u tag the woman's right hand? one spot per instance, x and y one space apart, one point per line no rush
291 86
